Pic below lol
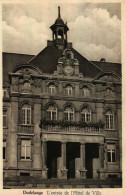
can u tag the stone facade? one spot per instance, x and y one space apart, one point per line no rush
62 125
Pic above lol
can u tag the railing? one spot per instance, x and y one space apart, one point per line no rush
29 129
111 133
77 129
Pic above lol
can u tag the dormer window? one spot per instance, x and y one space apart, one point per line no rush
69 90
52 89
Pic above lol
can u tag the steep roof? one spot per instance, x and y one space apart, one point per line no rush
109 66
10 60
47 60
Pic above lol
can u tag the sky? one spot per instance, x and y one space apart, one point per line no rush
94 29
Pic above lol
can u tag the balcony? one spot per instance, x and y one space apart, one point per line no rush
27 129
72 127
111 133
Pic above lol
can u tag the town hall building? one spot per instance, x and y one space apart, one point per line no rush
61 115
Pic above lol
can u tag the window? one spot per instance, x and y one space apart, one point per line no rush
4 150
109 91
69 113
26 149
26 114
86 115
52 89
86 92
27 85
109 120
111 153
4 118
51 113
69 90
5 93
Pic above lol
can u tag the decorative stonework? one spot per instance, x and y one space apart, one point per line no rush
67 64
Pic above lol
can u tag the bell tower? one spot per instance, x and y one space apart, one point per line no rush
59 32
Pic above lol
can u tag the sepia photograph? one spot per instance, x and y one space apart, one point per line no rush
62 96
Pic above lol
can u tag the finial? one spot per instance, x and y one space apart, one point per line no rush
58 11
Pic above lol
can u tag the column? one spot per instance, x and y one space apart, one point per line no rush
101 161
82 161
12 138
44 160
63 156
37 165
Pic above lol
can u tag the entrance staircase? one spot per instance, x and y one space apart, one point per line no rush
28 182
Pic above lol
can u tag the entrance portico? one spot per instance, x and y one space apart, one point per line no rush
72 158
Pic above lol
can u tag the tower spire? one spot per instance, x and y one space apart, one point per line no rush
59 12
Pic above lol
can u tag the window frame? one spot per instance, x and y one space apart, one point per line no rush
26 146
4 117
51 89
85 90
26 116
69 90
86 116
51 112
68 114
109 120
4 150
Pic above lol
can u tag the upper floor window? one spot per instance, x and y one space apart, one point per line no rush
27 85
109 91
86 92
109 119
86 115
69 90
26 114
26 149
4 149
111 153
69 113
51 113
5 93
4 118
52 89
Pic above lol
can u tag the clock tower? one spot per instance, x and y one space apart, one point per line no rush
59 32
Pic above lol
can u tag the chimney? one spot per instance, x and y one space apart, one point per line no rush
102 60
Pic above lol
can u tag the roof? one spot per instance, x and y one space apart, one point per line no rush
109 66
10 60
47 60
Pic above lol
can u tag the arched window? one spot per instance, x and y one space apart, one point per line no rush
52 89
51 113
86 92
109 119
69 90
69 113
86 115
26 114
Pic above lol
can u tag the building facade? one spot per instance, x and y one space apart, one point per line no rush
61 113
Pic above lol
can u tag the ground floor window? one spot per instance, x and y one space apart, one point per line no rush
111 153
26 149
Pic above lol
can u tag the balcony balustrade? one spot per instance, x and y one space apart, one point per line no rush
28 129
69 127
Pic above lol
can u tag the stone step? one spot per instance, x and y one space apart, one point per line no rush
38 182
